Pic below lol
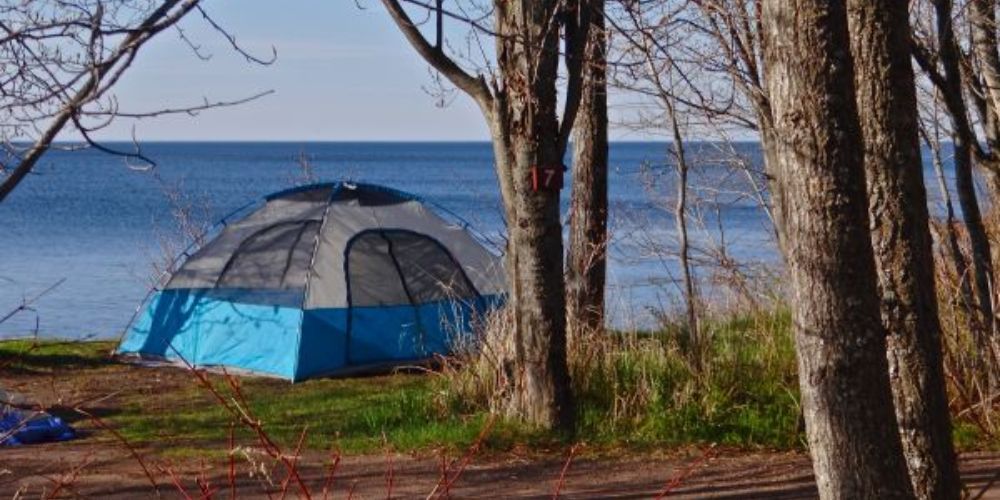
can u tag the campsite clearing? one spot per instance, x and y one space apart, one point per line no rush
170 410
379 424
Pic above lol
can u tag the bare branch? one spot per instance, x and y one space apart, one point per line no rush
187 110
232 41
475 87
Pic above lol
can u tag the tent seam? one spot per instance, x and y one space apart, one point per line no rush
335 188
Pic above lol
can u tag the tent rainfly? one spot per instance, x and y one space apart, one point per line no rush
324 279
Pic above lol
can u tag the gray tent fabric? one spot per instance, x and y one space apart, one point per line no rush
299 240
345 220
373 274
205 267
277 256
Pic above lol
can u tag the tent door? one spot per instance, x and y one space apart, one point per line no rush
397 281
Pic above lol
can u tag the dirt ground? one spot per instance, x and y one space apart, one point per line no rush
84 470
98 466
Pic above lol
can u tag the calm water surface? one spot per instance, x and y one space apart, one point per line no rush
89 219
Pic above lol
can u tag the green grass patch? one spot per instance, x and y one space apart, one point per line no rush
26 356
649 390
354 415
169 409
645 390
635 391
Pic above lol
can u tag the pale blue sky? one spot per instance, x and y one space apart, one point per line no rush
342 73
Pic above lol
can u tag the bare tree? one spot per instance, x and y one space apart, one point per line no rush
646 67
61 60
942 64
731 50
680 218
519 102
983 79
843 372
586 260
887 104
669 63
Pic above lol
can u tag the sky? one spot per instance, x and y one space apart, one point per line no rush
342 73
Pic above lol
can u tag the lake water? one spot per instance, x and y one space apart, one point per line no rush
88 219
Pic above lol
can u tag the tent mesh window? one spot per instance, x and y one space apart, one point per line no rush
276 257
396 267
280 220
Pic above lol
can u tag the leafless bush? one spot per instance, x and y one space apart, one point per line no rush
188 226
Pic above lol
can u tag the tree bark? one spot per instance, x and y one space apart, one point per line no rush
520 110
840 341
897 200
983 78
954 248
984 44
527 127
586 268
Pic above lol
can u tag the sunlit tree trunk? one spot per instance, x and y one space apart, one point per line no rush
519 104
963 142
525 123
897 199
840 342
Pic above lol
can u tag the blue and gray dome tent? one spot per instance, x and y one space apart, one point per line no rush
321 280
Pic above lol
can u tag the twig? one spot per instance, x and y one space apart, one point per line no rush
677 479
463 462
389 475
169 471
295 462
565 468
328 482
986 487
26 303
232 460
135 453
68 479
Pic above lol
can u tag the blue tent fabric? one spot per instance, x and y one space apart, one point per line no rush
194 327
322 280
191 328
18 427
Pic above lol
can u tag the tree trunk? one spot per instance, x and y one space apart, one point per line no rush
954 249
768 145
985 85
840 341
897 200
588 232
984 36
519 105
526 128
984 43
680 220
964 139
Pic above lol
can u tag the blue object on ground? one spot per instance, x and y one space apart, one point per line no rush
17 428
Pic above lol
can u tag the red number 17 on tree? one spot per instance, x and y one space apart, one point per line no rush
547 177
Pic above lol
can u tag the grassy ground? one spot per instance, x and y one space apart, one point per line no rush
635 392
169 408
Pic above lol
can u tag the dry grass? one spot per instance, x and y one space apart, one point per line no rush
644 389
